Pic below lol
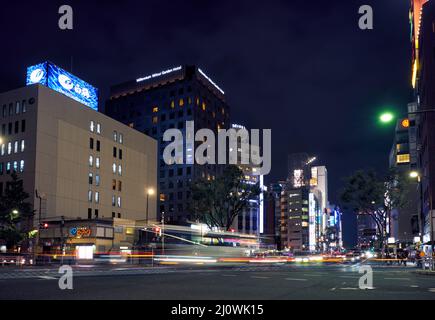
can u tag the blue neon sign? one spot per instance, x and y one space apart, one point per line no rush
63 82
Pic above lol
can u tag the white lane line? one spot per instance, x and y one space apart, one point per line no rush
414 286
295 279
432 290
348 288
404 279
47 278
333 289
254 277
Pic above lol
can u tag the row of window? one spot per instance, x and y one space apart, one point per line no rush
94 196
10 147
96 128
13 109
13 128
13 166
97 213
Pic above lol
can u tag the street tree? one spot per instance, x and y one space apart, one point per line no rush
218 202
15 212
368 193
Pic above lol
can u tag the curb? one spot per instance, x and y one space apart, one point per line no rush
426 273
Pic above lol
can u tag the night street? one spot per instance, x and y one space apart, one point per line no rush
226 283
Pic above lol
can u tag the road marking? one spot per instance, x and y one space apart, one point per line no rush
47 278
432 290
254 277
404 279
348 288
295 279
333 289
414 286
229 275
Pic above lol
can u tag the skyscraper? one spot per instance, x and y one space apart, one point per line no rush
166 100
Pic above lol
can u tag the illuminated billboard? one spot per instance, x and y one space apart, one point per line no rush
62 81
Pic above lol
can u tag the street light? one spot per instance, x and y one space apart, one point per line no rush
150 192
386 117
414 174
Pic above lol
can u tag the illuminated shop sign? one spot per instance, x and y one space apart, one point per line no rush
80 232
63 82
159 74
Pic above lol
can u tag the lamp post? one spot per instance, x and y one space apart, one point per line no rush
150 192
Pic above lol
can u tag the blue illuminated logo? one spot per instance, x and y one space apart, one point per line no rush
64 82
37 74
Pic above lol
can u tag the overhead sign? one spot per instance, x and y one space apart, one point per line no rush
62 81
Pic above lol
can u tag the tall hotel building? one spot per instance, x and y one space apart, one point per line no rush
166 100
82 169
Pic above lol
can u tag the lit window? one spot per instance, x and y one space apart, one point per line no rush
90 195
92 126
3 149
155 109
24 106
113 201
8 167
22 145
403 158
22 166
197 101
115 136
172 104
17 107
155 120
91 179
97 162
119 202
181 102
121 138
98 128
91 161
114 168
97 197
120 170
97 180
15 166
16 147
204 106
9 147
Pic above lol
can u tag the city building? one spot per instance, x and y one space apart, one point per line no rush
80 167
166 100
304 204
334 229
403 224
422 15
366 232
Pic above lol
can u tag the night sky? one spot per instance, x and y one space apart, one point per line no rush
302 68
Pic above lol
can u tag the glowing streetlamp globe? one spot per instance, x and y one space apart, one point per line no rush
386 117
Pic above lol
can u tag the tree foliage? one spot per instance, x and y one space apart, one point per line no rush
367 193
218 202
15 212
